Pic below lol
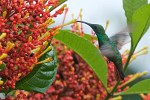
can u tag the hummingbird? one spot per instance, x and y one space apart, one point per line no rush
109 47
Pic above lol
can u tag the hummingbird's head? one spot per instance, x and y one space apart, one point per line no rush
98 29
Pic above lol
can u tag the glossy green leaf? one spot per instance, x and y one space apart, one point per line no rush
130 6
141 23
87 36
87 51
2 66
140 87
41 77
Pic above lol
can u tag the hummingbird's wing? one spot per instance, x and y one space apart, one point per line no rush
107 50
120 39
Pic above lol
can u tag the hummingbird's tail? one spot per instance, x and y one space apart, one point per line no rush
119 74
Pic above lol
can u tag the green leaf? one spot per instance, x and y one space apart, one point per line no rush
130 6
59 3
141 23
2 66
87 36
41 77
87 51
140 87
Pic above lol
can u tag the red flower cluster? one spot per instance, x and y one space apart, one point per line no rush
24 36
23 44
75 80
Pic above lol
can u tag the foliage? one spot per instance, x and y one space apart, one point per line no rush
41 77
35 65
140 87
26 59
85 49
130 6
141 24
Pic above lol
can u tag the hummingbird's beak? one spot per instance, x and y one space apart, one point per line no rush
85 23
